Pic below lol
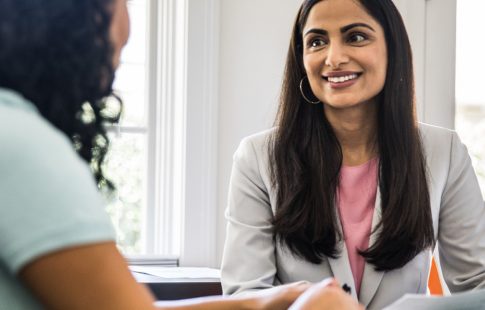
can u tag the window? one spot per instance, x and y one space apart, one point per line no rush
126 163
165 150
470 98
146 154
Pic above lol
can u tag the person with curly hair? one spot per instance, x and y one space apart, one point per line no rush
57 249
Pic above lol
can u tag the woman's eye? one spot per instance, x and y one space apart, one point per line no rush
316 43
357 38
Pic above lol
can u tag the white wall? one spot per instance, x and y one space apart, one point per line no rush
414 15
254 39
431 25
440 63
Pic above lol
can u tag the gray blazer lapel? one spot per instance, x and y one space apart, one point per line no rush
341 269
371 278
341 266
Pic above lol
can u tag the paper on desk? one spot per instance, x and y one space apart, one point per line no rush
472 300
178 272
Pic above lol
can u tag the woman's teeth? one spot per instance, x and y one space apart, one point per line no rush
341 79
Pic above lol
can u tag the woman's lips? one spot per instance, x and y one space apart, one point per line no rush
338 80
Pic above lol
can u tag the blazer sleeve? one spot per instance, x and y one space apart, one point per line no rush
461 236
248 262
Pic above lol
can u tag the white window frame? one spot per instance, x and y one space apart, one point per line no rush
431 25
166 104
182 133
199 235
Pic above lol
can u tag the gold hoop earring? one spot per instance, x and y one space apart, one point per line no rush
303 93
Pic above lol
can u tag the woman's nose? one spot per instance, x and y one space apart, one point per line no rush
336 56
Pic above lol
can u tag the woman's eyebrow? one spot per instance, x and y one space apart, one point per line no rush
342 30
317 31
348 27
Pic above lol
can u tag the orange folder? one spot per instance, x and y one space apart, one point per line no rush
434 283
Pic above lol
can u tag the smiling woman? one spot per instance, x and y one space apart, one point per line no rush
340 53
348 183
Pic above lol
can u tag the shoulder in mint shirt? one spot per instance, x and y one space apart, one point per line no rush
48 197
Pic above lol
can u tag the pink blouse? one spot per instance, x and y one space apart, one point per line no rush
356 197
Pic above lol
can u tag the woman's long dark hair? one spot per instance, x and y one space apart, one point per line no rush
58 54
306 159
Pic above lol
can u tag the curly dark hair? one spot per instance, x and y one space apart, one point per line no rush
58 54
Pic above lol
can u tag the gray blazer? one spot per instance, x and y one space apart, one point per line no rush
253 261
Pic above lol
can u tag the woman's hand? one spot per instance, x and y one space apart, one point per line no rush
325 295
276 298
280 297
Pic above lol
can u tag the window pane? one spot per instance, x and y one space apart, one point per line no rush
130 80
470 98
126 162
130 85
126 167
135 50
134 108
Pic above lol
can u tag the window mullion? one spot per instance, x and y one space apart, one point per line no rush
165 129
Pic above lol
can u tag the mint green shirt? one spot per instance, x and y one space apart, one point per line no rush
48 197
